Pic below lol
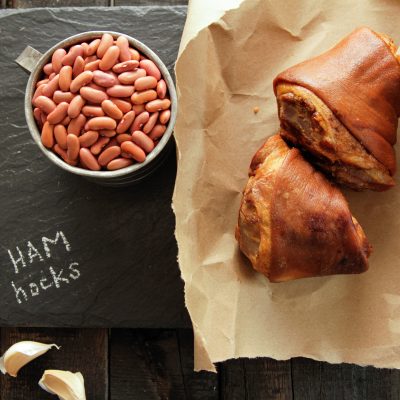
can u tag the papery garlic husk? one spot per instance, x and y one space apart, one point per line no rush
20 354
65 384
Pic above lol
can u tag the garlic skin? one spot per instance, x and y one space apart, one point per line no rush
65 384
20 354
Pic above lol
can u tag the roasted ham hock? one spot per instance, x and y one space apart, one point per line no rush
293 223
342 108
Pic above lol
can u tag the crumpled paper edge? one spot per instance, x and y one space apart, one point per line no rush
199 16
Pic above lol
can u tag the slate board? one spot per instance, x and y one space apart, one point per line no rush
116 249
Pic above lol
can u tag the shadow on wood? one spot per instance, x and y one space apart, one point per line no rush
157 365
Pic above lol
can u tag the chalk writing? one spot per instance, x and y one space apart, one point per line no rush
33 252
19 261
59 235
52 275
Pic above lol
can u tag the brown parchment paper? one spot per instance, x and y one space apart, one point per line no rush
226 65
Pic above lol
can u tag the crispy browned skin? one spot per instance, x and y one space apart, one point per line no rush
293 223
343 108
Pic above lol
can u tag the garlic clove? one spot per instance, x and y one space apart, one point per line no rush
65 384
20 354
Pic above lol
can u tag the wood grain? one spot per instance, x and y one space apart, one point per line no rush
198 385
306 379
84 350
154 364
87 3
58 3
256 379
150 2
320 380
382 383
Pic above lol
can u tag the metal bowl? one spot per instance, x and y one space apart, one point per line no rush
125 176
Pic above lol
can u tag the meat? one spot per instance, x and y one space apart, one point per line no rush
342 107
293 223
310 125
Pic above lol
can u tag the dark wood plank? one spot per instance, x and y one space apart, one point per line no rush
351 379
306 379
382 383
58 3
255 379
232 380
329 381
146 365
198 385
270 378
150 2
316 380
84 350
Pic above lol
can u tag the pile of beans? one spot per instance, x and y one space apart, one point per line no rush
101 105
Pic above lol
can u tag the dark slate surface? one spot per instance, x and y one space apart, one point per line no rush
118 260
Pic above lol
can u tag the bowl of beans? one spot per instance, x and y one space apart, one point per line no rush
102 105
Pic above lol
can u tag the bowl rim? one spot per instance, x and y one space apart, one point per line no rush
33 128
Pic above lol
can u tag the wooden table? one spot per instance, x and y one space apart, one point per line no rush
125 364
